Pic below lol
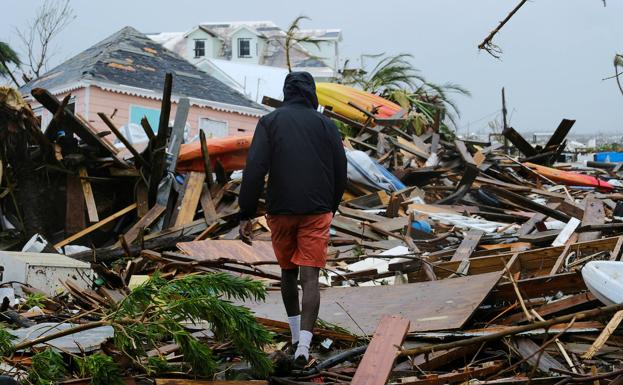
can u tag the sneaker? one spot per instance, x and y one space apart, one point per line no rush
302 363
291 349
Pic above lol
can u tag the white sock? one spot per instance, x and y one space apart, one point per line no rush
304 343
295 327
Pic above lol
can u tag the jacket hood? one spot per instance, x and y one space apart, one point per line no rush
300 87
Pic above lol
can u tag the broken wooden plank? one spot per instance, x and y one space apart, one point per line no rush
378 360
95 226
153 214
89 199
522 145
593 215
159 144
207 205
528 203
527 349
566 232
137 156
214 250
468 245
75 204
610 328
188 208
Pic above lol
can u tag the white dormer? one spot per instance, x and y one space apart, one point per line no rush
201 44
246 45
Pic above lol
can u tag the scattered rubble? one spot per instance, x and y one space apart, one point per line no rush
450 260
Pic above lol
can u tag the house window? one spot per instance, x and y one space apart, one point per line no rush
214 128
244 47
152 114
200 48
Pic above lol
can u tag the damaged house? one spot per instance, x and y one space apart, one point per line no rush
122 76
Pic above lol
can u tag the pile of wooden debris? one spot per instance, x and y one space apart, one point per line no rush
455 261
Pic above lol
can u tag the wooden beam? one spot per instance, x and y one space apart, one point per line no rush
147 219
378 360
137 156
89 199
610 328
188 208
593 215
515 138
468 245
205 155
74 207
95 226
159 144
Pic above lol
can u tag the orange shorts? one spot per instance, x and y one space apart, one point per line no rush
300 240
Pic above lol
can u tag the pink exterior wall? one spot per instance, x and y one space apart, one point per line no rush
88 102
78 96
106 102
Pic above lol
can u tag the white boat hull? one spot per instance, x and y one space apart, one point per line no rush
605 280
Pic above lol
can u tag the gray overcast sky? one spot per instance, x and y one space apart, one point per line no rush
555 52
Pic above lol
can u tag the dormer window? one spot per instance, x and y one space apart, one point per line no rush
244 47
200 48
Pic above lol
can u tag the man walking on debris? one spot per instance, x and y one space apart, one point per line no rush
302 152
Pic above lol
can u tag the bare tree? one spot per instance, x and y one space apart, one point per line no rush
50 19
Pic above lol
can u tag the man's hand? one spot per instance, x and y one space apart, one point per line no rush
246 231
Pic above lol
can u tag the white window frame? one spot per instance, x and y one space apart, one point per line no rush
244 39
212 134
195 48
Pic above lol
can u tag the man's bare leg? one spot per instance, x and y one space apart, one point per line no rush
311 305
290 296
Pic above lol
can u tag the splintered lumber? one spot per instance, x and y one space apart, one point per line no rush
593 215
354 228
160 142
207 205
89 199
52 104
139 158
205 155
149 218
194 186
468 245
566 232
560 134
438 359
513 330
527 348
96 226
566 304
165 239
214 250
74 209
516 139
378 360
177 134
528 203
434 305
612 325
459 376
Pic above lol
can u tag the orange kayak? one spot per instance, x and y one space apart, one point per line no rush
231 151
569 178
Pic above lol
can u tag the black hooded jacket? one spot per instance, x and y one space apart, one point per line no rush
302 152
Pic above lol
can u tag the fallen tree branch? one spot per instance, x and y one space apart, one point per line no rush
487 43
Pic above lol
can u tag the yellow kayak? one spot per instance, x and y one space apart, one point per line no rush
337 97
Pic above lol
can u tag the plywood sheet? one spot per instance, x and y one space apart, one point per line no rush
435 305
261 251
